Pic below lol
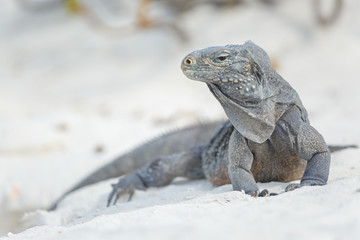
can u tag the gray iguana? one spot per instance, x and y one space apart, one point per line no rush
268 136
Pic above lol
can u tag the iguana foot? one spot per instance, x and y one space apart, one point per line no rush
126 184
294 186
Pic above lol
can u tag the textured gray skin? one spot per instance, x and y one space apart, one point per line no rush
216 150
268 136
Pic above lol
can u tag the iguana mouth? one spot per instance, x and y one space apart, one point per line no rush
202 76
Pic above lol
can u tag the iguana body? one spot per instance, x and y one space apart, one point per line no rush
268 137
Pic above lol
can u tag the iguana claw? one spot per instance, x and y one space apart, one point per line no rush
127 184
266 193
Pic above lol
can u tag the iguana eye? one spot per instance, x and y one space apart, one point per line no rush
189 61
223 56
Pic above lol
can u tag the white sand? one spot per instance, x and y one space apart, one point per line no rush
67 89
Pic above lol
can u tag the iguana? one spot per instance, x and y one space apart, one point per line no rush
268 136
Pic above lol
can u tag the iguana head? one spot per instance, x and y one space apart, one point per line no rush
241 78
234 69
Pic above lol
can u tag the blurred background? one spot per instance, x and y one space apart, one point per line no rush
82 81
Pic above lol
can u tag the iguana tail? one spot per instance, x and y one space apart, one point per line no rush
166 144
340 147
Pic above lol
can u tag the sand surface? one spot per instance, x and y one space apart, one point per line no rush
74 96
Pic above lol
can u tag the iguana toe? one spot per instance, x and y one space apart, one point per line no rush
127 184
264 193
292 187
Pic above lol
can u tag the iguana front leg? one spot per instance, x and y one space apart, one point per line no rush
311 146
160 173
240 161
